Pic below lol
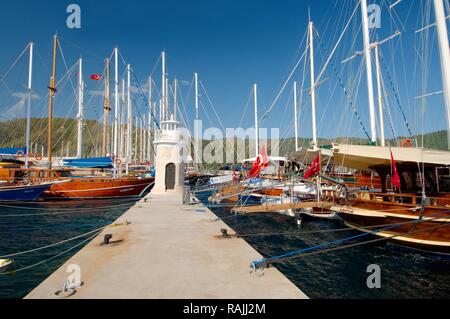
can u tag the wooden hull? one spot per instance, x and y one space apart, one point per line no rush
401 223
97 188
22 193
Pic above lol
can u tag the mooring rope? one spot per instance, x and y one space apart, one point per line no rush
98 230
51 258
62 211
298 253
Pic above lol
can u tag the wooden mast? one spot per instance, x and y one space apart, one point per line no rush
52 91
107 106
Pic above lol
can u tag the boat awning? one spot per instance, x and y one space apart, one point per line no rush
307 156
12 151
101 162
271 158
364 157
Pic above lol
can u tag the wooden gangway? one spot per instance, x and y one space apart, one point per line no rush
272 208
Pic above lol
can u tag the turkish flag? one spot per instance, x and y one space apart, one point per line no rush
265 161
262 162
314 169
96 77
395 177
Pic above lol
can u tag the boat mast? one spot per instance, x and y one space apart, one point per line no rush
175 85
52 92
255 97
130 115
445 57
149 133
196 95
116 102
380 96
295 117
313 85
166 107
122 126
29 96
136 132
80 109
107 108
163 84
367 48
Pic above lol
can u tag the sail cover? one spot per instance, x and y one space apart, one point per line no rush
100 162
12 151
364 157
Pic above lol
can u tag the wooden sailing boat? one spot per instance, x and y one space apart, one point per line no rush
63 183
418 213
96 187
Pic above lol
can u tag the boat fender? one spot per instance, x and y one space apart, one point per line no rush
407 143
20 153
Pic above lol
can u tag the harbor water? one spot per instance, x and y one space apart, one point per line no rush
338 274
405 273
25 227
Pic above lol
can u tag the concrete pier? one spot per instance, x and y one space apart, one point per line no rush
169 251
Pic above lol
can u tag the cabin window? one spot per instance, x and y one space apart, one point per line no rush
443 179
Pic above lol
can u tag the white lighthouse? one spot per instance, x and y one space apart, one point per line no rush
170 160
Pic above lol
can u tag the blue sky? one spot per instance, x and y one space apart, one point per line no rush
231 44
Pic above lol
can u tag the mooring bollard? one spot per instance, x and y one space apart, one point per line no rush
107 239
187 195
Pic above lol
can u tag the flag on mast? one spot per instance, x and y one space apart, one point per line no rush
96 77
395 177
262 162
314 169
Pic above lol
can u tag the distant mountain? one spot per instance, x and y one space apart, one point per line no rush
12 134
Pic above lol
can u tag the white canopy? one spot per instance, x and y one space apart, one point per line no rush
363 157
271 158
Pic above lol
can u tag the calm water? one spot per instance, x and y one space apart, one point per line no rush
405 273
23 227
339 274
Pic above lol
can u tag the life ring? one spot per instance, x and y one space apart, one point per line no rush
20 153
407 143
38 157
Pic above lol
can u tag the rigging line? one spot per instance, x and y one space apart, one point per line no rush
207 115
386 109
397 99
336 46
55 244
212 105
365 242
67 69
264 117
183 105
144 97
245 109
51 258
350 101
171 89
65 212
3 77
97 57
292 254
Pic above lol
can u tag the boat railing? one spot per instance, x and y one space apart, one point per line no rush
342 185
403 198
